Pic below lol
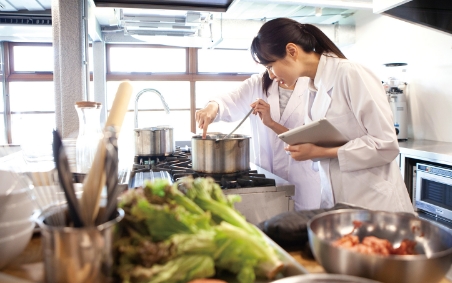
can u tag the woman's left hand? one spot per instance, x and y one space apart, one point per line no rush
263 109
306 151
301 152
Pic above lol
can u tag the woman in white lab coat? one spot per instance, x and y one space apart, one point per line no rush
263 94
362 172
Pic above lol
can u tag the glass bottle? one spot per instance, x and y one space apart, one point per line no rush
88 135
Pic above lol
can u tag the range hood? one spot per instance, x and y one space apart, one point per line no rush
436 14
196 5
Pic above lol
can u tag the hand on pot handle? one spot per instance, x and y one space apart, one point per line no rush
206 116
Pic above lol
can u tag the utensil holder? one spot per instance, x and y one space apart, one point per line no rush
77 255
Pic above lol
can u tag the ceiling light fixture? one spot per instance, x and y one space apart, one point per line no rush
318 11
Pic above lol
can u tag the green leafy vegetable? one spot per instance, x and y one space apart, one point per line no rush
188 230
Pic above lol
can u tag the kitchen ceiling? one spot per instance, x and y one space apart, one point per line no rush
17 16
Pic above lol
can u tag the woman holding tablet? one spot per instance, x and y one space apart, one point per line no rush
362 172
276 109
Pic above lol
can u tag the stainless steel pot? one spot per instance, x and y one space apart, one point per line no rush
220 156
154 141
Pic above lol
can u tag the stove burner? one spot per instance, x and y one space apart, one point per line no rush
178 165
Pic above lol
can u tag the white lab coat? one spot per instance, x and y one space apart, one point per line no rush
365 173
268 149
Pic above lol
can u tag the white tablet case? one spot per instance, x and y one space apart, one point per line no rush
321 133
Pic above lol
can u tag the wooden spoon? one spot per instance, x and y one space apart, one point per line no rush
96 177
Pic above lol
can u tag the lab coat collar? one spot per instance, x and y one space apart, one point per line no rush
273 99
322 85
295 100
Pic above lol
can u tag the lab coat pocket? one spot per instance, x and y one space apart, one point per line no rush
384 187
364 188
378 183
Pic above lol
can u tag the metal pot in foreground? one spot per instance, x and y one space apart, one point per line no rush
215 155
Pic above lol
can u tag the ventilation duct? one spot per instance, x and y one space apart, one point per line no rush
191 5
149 24
15 19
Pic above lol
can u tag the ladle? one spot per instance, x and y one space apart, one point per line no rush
241 122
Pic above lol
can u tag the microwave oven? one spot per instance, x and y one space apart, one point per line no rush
433 193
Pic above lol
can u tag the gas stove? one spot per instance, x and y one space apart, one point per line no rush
263 194
178 165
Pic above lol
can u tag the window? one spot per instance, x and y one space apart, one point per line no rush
35 117
31 105
227 61
147 60
150 109
25 59
204 94
187 78
181 88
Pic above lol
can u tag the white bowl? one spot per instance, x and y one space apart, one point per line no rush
8 180
17 211
12 246
14 227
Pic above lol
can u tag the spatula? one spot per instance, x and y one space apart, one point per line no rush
241 122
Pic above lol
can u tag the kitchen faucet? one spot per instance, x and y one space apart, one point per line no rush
165 105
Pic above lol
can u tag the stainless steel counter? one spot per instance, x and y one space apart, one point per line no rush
433 151
261 203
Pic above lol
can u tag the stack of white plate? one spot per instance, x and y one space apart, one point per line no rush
16 221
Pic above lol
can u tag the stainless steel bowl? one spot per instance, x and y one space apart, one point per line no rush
433 245
324 278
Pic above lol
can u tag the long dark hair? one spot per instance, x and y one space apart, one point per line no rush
270 43
266 82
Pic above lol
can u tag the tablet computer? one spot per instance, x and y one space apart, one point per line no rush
321 133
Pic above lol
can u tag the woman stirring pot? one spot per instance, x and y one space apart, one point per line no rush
362 172
277 108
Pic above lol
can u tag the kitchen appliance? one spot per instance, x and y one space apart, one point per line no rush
216 154
433 193
433 245
395 90
153 141
263 194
